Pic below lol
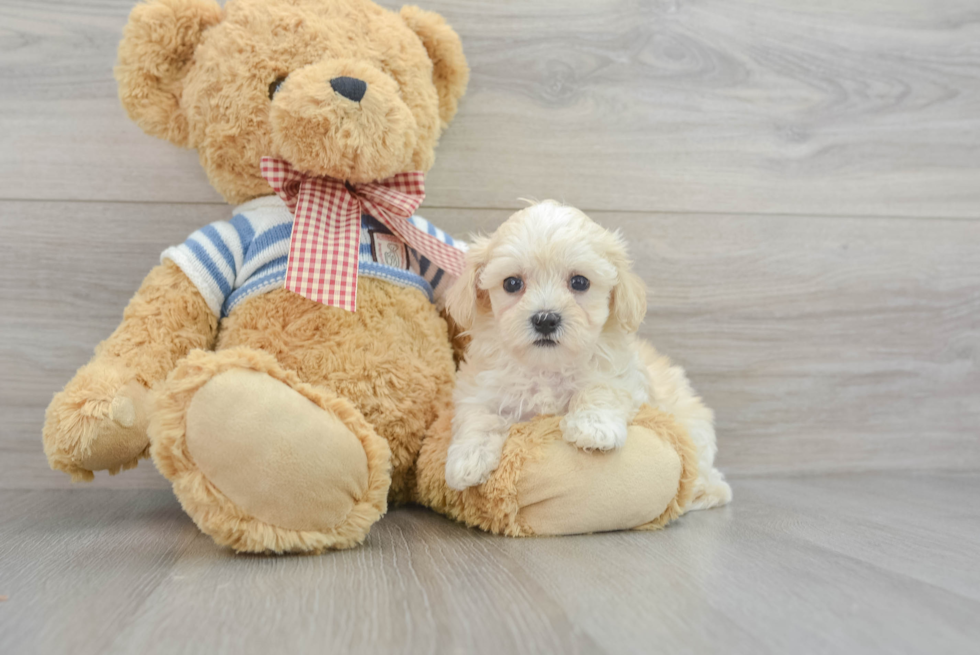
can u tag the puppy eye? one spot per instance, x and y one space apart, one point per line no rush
513 284
274 87
579 283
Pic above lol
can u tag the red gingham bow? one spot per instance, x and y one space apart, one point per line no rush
323 249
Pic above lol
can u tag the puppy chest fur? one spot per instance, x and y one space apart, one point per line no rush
551 306
518 393
552 309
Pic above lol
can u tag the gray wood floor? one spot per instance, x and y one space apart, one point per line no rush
879 563
800 183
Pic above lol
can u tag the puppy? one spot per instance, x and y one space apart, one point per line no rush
551 306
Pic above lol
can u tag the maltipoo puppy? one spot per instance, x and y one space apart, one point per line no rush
552 308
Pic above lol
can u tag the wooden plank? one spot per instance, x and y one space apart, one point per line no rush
75 567
62 128
115 571
754 106
866 517
823 344
736 579
419 585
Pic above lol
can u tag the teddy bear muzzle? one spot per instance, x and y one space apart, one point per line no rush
343 119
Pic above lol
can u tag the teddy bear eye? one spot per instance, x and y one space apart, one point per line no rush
274 87
579 283
513 284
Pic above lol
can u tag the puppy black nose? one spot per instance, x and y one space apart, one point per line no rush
349 87
546 322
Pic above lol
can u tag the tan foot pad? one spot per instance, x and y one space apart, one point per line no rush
566 490
274 453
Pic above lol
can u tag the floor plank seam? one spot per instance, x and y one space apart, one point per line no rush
588 210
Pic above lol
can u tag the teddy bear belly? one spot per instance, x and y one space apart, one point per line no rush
392 358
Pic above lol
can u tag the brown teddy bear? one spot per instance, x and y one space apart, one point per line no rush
285 421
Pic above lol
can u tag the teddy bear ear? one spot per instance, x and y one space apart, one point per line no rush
154 56
450 71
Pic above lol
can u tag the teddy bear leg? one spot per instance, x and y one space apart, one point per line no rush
546 486
263 462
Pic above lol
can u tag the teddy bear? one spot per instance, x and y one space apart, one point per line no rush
289 391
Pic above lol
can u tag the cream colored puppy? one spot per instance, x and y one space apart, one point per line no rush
552 308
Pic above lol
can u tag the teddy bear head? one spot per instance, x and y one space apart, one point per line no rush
339 88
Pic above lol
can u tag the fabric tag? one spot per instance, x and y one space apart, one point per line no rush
389 250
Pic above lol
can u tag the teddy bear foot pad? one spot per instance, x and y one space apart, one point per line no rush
546 486
263 462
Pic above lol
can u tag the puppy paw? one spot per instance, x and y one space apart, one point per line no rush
469 465
594 430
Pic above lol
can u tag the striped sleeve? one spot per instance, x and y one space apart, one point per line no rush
211 258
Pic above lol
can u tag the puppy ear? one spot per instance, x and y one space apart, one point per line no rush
628 303
155 54
450 73
629 300
465 299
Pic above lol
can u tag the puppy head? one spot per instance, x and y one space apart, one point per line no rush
548 283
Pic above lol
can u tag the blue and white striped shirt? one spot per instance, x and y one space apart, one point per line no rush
230 261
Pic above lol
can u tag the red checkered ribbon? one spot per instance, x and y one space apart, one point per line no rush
323 249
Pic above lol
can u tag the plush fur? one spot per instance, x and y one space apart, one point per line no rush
239 83
217 515
391 358
200 76
498 504
164 321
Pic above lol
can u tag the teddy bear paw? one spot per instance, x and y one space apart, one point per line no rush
98 422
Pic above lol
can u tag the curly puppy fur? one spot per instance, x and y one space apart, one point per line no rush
581 365
552 308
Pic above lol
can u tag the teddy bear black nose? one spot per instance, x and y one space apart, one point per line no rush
546 322
349 87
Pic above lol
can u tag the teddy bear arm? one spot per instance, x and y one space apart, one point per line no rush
98 421
546 486
164 320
